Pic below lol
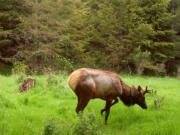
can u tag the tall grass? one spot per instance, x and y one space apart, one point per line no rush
49 109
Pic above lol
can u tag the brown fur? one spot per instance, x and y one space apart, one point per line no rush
129 95
92 83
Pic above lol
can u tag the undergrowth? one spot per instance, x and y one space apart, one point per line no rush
49 109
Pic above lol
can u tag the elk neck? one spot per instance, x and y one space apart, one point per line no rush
129 94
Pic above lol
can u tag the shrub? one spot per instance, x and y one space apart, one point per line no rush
53 79
141 59
20 77
50 127
158 100
56 127
19 68
86 126
65 64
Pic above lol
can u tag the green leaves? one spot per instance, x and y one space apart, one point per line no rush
10 12
5 43
111 34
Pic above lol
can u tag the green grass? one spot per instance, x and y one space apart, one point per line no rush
50 109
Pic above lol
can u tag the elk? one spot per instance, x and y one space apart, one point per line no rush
90 83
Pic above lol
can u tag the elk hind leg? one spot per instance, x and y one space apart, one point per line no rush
84 93
82 103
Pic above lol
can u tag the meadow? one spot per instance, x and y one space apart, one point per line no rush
49 109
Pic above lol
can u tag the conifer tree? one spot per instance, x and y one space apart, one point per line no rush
10 19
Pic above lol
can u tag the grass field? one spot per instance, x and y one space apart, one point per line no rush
49 109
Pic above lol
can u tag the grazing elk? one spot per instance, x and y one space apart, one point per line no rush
92 83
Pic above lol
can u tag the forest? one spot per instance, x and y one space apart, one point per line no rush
129 36
43 41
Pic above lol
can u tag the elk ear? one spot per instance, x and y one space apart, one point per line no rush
139 88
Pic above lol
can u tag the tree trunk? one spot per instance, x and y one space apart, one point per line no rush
178 71
139 70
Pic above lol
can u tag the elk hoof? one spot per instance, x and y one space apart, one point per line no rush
102 111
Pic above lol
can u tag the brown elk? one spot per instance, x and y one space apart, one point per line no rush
92 83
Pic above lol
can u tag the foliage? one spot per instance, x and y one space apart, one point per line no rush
141 60
41 111
87 126
53 80
10 18
19 68
20 71
116 29
20 78
158 100
178 72
51 127
110 34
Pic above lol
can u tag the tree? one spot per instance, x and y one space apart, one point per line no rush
10 18
119 35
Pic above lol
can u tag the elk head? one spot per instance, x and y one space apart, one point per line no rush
140 99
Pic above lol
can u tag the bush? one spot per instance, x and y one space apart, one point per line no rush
55 126
19 68
20 78
50 128
158 100
65 64
53 79
45 62
153 70
87 126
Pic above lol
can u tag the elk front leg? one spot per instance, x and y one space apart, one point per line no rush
104 109
108 106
